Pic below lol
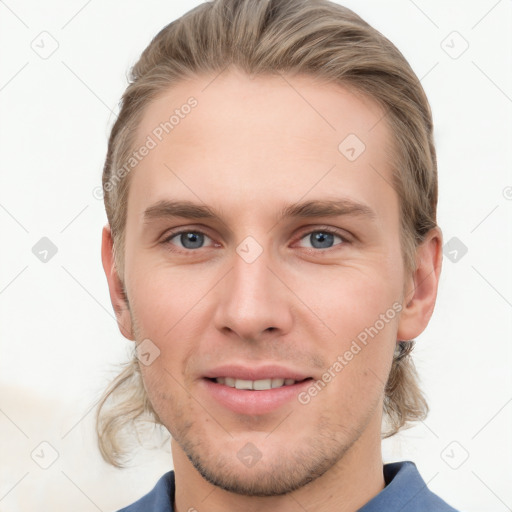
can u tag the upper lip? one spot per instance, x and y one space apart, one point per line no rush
268 371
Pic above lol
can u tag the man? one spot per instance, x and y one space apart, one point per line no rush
272 249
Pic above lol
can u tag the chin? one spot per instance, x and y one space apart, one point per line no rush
276 472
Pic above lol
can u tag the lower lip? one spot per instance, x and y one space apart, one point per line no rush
245 401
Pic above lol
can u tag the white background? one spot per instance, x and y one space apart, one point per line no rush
59 341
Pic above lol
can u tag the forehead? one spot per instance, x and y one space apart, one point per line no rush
261 141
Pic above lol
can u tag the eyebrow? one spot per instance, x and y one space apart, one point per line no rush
306 209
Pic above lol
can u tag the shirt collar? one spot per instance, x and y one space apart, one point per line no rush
405 491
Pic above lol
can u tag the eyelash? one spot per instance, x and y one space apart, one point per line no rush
320 229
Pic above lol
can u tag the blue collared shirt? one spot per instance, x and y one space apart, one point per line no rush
405 491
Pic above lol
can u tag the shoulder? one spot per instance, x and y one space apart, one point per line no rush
159 499
406 491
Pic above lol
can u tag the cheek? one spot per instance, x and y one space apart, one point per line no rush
346 300
359 306
162 298
162 391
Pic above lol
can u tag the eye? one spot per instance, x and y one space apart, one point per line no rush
188 239
322 238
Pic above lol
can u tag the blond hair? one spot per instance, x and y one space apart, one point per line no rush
313 37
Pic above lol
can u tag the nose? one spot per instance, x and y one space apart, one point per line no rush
254 299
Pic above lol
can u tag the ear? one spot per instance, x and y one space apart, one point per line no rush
421 287
115 285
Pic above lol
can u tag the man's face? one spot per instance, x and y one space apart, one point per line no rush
253 296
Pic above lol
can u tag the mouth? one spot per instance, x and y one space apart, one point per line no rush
257 385
254 397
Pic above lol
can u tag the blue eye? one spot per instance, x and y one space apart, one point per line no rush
188 239
321 239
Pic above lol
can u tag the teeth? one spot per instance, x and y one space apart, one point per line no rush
243 384
262 384
277 383
258 385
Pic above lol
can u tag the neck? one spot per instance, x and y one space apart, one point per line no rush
347 486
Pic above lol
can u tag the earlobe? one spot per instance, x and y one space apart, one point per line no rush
420 297
116 287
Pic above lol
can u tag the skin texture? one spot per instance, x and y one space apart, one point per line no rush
251 146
